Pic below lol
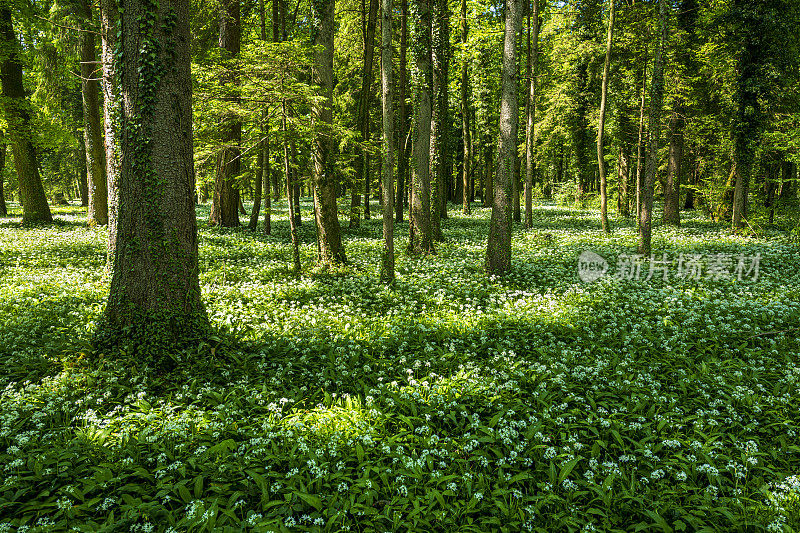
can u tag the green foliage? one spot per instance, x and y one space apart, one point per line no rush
451 402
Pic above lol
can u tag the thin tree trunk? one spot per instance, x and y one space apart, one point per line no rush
83 184
387 96
262 152
465 114
329 238
441 160
289 188
601 162
498 249
654 134
530 122
672 187
225 203
19 126
3 208
402 154
109 17
97 210
640 144
368 35
154 304
421 240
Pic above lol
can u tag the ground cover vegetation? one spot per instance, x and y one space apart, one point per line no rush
419 266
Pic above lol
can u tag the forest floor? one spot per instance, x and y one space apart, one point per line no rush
450 402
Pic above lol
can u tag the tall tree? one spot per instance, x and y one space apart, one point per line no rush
154 300
440 123
3 208
421 238
261 184
329 237
601 162
654 134
498 250
225 203
465 113
109 18
402 152
20 132
387 96
530 107
362 170
97 210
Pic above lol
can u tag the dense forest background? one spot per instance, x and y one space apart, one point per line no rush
730 102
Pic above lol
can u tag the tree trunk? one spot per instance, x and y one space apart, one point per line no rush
225 203
402 120
289 195
3 208
109 17
421 238
441 161
654 134
530 120
329 238
368 35
601 162
465 115
19 126
672 187
97 210
387 96
640 145
154 302
259 181
498 249
83 186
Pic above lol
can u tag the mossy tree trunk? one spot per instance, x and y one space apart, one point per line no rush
498 249
329 237
530 112
440 123
387 102
154 301
109 20
19 125
97 210
225 203
421 238
654 135
672 187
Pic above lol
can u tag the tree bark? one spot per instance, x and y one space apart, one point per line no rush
19 126
530 119
387 96
83 187
262 152
97 210
601 162
154 301
112 112
654 134
329 238
225 203
421 238
498 249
